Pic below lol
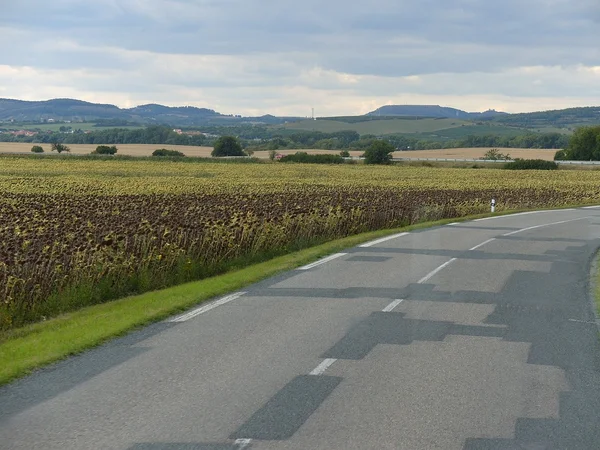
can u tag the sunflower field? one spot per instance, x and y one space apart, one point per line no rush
75 232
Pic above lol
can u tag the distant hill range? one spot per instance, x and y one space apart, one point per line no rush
62 110
79 111
432 111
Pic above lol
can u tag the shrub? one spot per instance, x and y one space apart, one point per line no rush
105 150
37 149
345 154
495 155
165 152
227 146
58 147
531 164
561 155
303 157
379 152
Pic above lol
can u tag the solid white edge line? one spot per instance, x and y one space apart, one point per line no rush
591 207
206 308
433 272
322 261
482 244
379 241
391 306
243 443
321 368
454 223
509 215
543 225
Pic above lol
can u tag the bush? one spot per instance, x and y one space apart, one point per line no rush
379 152
227 146
105 150
531 164
165 152
345 154
37 149
561 155
58 147
495 155
303 157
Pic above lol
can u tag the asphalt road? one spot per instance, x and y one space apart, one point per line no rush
475 336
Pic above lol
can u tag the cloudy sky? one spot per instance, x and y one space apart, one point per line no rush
284 57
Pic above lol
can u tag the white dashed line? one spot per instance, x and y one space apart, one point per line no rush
205 308
432 273
321 368
322 261
392 305
543 225
379 241
454 223
482 244
242 443
582 321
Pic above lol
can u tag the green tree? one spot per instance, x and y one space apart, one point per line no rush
37 149
58 147
379 152
227 146
584 145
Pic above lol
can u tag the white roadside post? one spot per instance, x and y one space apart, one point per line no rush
493 205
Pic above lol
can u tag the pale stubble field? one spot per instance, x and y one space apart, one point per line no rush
188 150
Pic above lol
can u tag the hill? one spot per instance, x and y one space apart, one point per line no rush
432 111
69 110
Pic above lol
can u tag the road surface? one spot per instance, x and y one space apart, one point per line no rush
477 336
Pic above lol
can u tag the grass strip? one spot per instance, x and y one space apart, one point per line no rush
31 347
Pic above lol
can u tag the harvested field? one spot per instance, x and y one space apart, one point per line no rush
189 150
476 153
124 149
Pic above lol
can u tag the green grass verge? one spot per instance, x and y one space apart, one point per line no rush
25 349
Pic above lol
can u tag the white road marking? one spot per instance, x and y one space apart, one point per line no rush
392 305
454 223
321 368
582 321
205 308
243 443
568 209
482 244
524 213
591 207
433 272
509 215
542 225
379 241
322 261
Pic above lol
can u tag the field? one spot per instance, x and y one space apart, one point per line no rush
124 149
75 232
428 129
376 127
476 153
194 151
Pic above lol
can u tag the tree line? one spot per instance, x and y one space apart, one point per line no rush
262 138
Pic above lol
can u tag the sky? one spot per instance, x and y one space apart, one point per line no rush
284 57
